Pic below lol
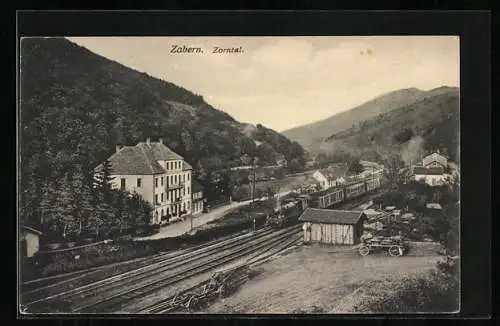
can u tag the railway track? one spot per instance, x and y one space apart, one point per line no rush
165 305
32 288
160 261
108 293
112 301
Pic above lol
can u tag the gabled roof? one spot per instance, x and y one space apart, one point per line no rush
330 216
428 171
334 173
141 159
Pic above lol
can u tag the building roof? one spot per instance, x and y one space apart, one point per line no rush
433 206
141 159
186 166
428 171
330 216
30 229
334 173
163 153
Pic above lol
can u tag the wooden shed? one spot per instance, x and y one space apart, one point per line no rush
30 241
332 226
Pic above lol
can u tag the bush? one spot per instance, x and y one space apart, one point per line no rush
438 291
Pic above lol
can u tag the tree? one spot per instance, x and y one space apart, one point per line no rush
81 195
394 171
103 177
354 166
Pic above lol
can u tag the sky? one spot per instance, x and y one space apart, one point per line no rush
283 82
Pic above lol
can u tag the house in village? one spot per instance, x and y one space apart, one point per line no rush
197 198
30 241
332 226
161 176
330 177
432 170
435 160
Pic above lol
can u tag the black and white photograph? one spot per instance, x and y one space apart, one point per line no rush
239 175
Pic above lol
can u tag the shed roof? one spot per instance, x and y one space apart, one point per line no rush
30 229
331 216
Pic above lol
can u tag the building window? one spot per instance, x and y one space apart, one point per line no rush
175 179
189 189
161 181
188 176
139 182
122 185
156 199
182 206
156 182
162 198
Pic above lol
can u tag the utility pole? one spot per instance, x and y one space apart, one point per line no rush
253 193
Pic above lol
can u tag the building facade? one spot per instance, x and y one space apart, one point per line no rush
435 160
433 176
327 178
161 176
197 207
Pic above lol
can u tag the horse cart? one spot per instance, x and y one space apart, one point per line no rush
395 246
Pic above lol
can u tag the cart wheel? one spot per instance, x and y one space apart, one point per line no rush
364 250
394 251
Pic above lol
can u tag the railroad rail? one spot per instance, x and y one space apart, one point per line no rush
37 295
109 293
220 284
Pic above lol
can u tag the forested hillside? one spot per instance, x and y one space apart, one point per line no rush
311 136
429 124
77 106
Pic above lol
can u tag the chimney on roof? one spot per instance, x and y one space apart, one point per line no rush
118 147
148 141
161 140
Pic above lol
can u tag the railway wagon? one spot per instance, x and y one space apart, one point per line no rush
354 189
372 184
327 198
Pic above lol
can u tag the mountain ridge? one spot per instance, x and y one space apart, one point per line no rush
311 135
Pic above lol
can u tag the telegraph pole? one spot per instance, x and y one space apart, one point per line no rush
253 193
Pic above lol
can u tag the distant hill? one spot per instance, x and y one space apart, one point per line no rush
430 123
71 97
312 135
76 106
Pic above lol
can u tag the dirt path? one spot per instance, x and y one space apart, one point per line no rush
321 279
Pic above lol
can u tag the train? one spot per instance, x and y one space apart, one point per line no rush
289 212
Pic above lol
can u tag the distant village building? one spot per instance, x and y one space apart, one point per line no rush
330 177
30 241
435 160
432 170
332 226
433 176
161 176
197 198
436 206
